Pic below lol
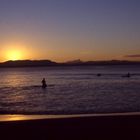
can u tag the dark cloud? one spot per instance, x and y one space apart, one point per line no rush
135 55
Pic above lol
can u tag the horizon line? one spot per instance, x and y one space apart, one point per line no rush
80 60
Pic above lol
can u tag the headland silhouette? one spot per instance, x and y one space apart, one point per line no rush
44 63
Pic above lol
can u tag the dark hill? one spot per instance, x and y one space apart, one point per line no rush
28 63
43 63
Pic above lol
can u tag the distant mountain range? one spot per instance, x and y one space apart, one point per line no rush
43 63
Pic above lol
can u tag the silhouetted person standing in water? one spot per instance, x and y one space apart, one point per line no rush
128 75
44 85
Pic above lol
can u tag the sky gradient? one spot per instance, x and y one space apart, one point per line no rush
63 30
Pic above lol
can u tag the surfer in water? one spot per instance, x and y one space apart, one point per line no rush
44 85
127 75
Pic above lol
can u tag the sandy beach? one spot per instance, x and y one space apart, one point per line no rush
84 127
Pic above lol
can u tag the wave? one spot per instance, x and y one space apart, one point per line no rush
24 87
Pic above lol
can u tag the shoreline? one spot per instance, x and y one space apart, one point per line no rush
114 126
23 117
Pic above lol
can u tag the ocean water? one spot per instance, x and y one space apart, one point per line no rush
71 90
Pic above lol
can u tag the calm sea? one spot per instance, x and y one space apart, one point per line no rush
71 90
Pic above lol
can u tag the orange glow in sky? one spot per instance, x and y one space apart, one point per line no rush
13 52
89 30
14 55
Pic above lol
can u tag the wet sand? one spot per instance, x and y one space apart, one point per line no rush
54 127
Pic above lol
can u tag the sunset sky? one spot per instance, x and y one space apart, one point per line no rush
62 30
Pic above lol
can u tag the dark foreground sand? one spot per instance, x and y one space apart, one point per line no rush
94 127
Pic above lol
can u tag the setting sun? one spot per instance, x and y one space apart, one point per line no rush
14 51
14 55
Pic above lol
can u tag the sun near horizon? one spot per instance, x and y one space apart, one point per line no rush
14 55
14 52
